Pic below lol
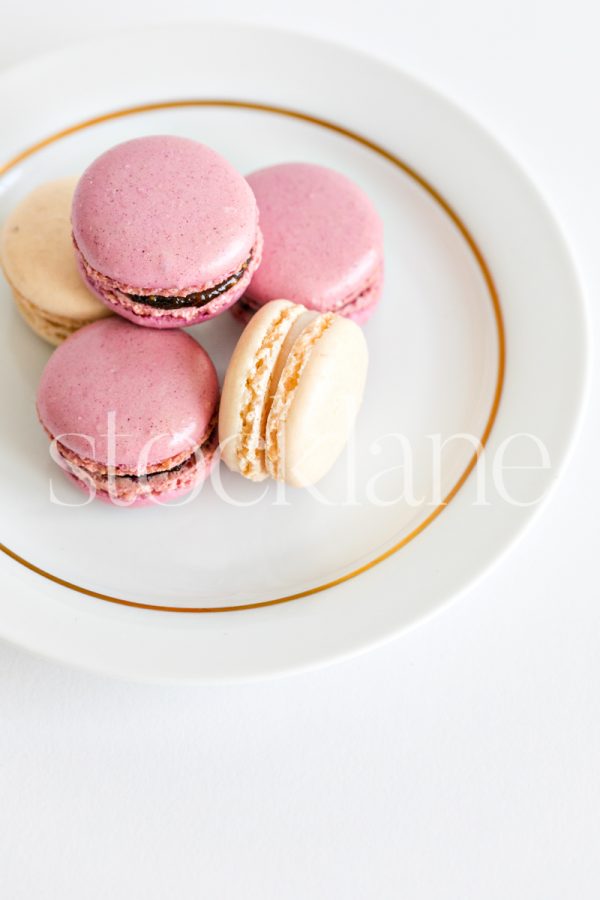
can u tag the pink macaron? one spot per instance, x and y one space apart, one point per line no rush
166 231
323 242
131 412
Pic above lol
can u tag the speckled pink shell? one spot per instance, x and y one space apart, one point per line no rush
323 240
164 214
161 387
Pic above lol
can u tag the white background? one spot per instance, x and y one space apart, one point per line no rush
459 762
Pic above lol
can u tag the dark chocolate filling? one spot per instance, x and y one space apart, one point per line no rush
162 471
198 298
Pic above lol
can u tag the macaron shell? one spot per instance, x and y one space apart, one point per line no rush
142 501
323 407
247 386
300 324
360 309
160 390
164 214
53 329
36 252
323 237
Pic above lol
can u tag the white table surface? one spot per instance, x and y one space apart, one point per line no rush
457 763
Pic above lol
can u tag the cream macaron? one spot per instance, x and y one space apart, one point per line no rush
291 393
37 255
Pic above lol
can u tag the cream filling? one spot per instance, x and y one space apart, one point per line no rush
257 395
286 390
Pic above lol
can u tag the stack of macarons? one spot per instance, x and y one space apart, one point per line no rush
165 233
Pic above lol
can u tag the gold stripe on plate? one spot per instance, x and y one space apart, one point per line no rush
450 212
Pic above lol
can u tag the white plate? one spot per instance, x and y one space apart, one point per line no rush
478 275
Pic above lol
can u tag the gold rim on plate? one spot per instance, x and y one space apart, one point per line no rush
450 212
